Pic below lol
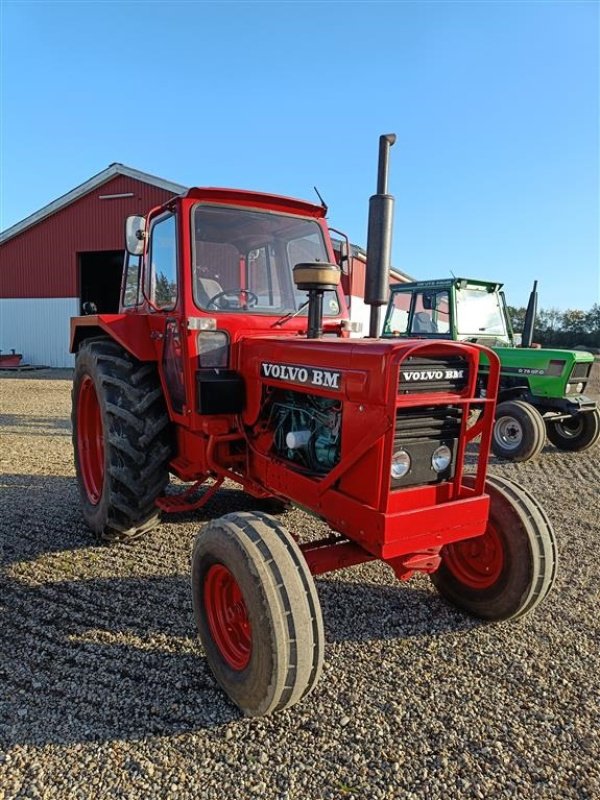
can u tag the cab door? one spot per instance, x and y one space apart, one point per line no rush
163 290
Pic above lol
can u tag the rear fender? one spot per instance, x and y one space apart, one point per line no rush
131 331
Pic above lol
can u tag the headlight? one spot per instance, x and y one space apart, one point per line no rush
400 464
441 458
213 349
579 388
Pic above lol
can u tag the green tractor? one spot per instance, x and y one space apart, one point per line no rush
542 390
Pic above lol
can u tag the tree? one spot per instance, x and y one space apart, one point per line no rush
574 321
517 318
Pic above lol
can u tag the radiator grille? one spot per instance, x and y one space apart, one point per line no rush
430 422
419 375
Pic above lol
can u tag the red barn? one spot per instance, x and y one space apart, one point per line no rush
65 254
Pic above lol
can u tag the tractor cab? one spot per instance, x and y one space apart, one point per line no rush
453 308
226 256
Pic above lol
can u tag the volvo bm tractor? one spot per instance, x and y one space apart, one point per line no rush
542 390
230 360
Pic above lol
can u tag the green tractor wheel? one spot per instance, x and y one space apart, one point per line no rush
519 432
575 433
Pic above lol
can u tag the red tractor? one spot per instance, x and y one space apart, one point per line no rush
230 360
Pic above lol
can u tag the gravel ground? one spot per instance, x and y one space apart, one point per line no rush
106 692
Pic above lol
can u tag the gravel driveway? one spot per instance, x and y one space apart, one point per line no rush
105 691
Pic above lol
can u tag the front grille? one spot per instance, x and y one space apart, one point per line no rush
429 422
419 375
420 431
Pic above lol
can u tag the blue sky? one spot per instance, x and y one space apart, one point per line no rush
496 168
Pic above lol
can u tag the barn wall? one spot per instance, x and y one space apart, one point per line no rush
38 328
42 261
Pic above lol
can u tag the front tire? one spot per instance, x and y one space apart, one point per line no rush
506 572
519 432
577 433
121 440
257 611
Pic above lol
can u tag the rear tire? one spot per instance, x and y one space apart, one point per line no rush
519 431
258 612
576 433
121 440
508 571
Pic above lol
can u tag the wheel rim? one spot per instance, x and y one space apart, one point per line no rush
90 440
508 432
227 616
478 562
569 428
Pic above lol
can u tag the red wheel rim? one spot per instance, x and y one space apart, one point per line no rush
90 440
227 616
478 562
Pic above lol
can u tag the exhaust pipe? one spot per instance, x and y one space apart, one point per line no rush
530 315
379 238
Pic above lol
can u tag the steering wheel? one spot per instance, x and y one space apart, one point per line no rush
251 298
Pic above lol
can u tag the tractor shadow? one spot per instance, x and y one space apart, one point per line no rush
26 425
99 660
39 514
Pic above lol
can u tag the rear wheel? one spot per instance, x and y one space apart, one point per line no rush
121 440
519 432
257 611
506 572
575 433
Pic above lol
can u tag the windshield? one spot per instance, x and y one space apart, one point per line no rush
243 260
479 312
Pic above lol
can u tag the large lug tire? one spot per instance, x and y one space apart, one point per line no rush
519 431
508 571
576 433
258 612
121 440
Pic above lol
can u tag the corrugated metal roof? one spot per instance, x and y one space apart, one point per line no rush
97 180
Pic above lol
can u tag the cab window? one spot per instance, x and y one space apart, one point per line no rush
397 321
431 313
131 287
163 263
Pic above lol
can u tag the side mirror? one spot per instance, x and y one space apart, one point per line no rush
135 233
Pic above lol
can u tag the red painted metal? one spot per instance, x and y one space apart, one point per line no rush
42 260
186 501
90 441
476 563
406 527
333 553
228 616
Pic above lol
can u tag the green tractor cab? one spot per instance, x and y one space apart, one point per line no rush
542 390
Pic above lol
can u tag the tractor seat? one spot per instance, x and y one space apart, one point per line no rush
207 289
422 323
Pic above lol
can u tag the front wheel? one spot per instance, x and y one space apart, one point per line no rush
257 611
575 433
519 432
506 572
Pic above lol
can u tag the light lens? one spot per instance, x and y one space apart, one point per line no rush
579 388
400 464
441 458
213 349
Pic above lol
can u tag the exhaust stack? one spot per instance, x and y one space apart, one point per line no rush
379 238
530 315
